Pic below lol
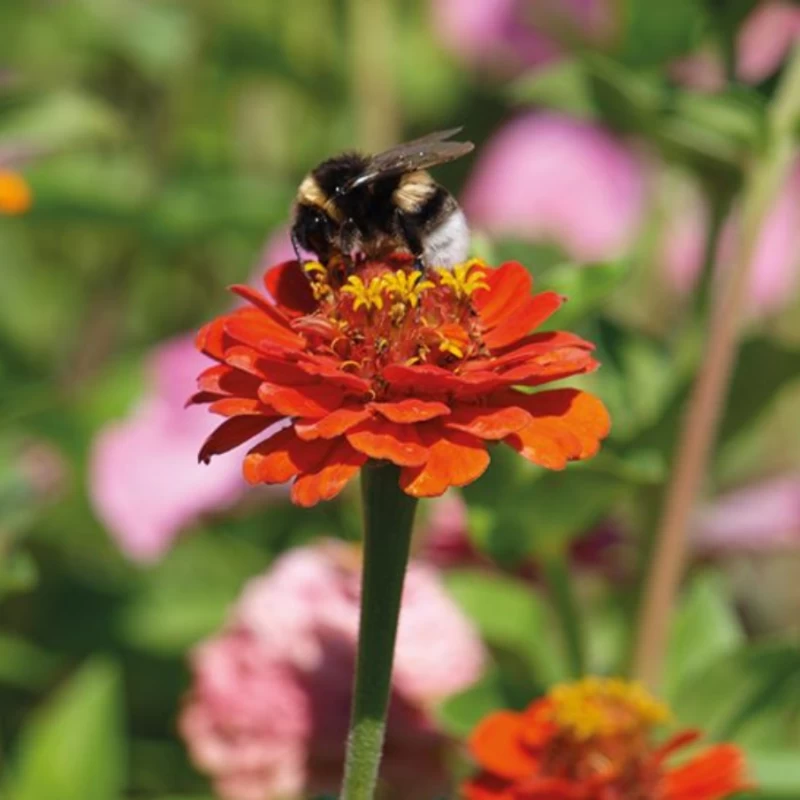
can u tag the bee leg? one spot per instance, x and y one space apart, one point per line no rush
411 237
296 247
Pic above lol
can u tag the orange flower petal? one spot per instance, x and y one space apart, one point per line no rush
224 379
523 319
232 433
212 340
455 459
537 344
509 285
301 401
283 456
567 424
488 422
715 774
335 470
233 406
290 287
252 327
488 787
334 424
388 441
497 745
412 409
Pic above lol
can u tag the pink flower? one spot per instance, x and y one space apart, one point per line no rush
776 267
764 41
513 34
762 516
550 177
268 710
145 483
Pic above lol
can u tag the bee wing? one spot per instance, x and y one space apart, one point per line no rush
427 151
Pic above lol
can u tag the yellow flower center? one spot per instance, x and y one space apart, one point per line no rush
599 707
465 278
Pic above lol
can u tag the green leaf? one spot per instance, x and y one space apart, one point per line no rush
657 32
459 714
730 694
562 86
704 630
586 288
777 774
25 665
509 615
73 749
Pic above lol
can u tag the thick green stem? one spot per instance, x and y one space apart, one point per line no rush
388 519
559 581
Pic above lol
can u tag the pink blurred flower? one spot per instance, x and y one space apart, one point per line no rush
776 268
144 480
764 41
145 483
760 517
273 688
550 177
513 34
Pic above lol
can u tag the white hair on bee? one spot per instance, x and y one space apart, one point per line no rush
448 243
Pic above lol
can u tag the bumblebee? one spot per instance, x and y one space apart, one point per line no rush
380 203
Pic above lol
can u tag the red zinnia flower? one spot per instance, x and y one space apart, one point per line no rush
590 740
393 365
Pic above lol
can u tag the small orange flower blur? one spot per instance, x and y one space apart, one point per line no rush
390 364
15 195
590 740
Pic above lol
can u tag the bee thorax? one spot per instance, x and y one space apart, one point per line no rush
448 243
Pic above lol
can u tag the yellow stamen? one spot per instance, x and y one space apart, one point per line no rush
314 266
447 346
605 707
464 279
367 295
407 286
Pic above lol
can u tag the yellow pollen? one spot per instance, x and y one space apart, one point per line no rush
598 707
446 346
314 266
407 286
464 279
367 295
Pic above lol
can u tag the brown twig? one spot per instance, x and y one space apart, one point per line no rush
707 401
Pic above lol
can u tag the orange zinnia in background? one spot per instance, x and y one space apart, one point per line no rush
591 740
15 194
388 363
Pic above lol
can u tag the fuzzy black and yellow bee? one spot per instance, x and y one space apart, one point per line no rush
376 204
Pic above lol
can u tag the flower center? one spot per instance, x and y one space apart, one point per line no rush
391 313
601 738
598 707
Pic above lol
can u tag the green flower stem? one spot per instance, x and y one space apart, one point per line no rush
388 519
559 582
764 178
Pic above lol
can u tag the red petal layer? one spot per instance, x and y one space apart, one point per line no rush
412 409
497 745
339 465
388 441
283 456
291 289
333 425
301 401
225 379
456 459
509 285
488 422
488 787
567 424
716 774
232 433
252 327
522 319
233 406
